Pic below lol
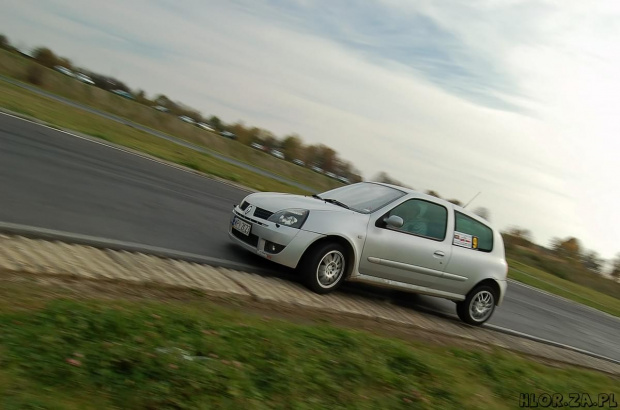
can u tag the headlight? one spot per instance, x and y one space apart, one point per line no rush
293 218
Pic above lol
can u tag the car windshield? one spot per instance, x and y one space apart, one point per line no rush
364 197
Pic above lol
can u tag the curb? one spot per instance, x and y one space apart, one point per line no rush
103 243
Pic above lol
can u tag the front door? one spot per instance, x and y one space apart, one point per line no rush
416 253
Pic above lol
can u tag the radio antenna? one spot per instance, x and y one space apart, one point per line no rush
472 200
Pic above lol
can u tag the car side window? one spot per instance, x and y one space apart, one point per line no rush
422 218
481 235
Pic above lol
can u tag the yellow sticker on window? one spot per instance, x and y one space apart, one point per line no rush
474 242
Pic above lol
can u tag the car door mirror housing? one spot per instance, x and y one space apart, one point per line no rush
394 221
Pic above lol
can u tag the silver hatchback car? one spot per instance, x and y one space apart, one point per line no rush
383 235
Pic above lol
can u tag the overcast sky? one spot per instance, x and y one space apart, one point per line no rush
516 99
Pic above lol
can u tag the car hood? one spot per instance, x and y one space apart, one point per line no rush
275 202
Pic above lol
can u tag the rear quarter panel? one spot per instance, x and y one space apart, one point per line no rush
477 265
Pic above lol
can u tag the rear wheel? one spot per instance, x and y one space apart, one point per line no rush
478 306
324 267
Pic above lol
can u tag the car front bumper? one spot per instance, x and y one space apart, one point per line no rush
295 241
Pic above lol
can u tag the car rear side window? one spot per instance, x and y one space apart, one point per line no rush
423 218
481 235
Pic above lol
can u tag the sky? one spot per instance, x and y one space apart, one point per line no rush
516 99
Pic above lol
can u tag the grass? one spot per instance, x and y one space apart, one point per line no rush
546 281
59 352
565 269
17 67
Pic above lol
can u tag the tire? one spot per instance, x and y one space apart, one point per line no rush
324 268
478 306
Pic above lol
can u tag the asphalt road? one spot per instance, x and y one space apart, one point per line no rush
53 180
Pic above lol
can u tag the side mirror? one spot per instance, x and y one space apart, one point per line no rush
394 221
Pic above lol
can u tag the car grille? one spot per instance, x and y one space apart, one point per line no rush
244 205
250 239
262 213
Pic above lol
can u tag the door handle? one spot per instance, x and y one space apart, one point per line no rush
439 254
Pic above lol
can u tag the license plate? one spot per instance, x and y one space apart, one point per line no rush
242 226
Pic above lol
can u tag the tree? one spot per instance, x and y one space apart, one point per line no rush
46 57
292 146
4 42
568 248
592 261
268 139
243 133
216 123
516 236
327 158
483 213
164 101
311 155
141 97
615 268
385 178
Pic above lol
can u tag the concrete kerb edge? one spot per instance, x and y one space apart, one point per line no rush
102 243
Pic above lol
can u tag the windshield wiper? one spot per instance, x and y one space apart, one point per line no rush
331 201
336 202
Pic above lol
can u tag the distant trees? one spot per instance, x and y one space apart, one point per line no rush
592 261
516 236
164 101
4 42
325 158
142 98
387 179
216 123
292 146
48 58
569 248
483 212
615 267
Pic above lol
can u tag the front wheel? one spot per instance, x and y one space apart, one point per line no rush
323 268
478 306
